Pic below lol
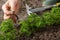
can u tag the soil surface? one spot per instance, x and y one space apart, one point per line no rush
51 33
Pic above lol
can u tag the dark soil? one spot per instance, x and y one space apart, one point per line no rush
49 33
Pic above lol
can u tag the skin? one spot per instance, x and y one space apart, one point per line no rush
9 7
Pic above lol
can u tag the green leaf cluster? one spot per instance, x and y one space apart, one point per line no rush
28 26
7 31
34 21
52 17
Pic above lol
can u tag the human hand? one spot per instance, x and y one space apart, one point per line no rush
9 7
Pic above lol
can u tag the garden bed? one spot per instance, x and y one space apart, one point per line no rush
52 33
34 27
48 33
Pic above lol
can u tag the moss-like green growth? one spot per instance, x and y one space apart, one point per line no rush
34 21
28 26
7 31
7 26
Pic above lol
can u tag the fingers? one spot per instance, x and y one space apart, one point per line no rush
6 17
13 17
14 5
6 10
11 6
6 7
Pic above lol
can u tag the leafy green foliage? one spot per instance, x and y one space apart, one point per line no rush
56 14
52 17
34 21
28 26
24 28
6 25
7 31
48 18
10 35
2 37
